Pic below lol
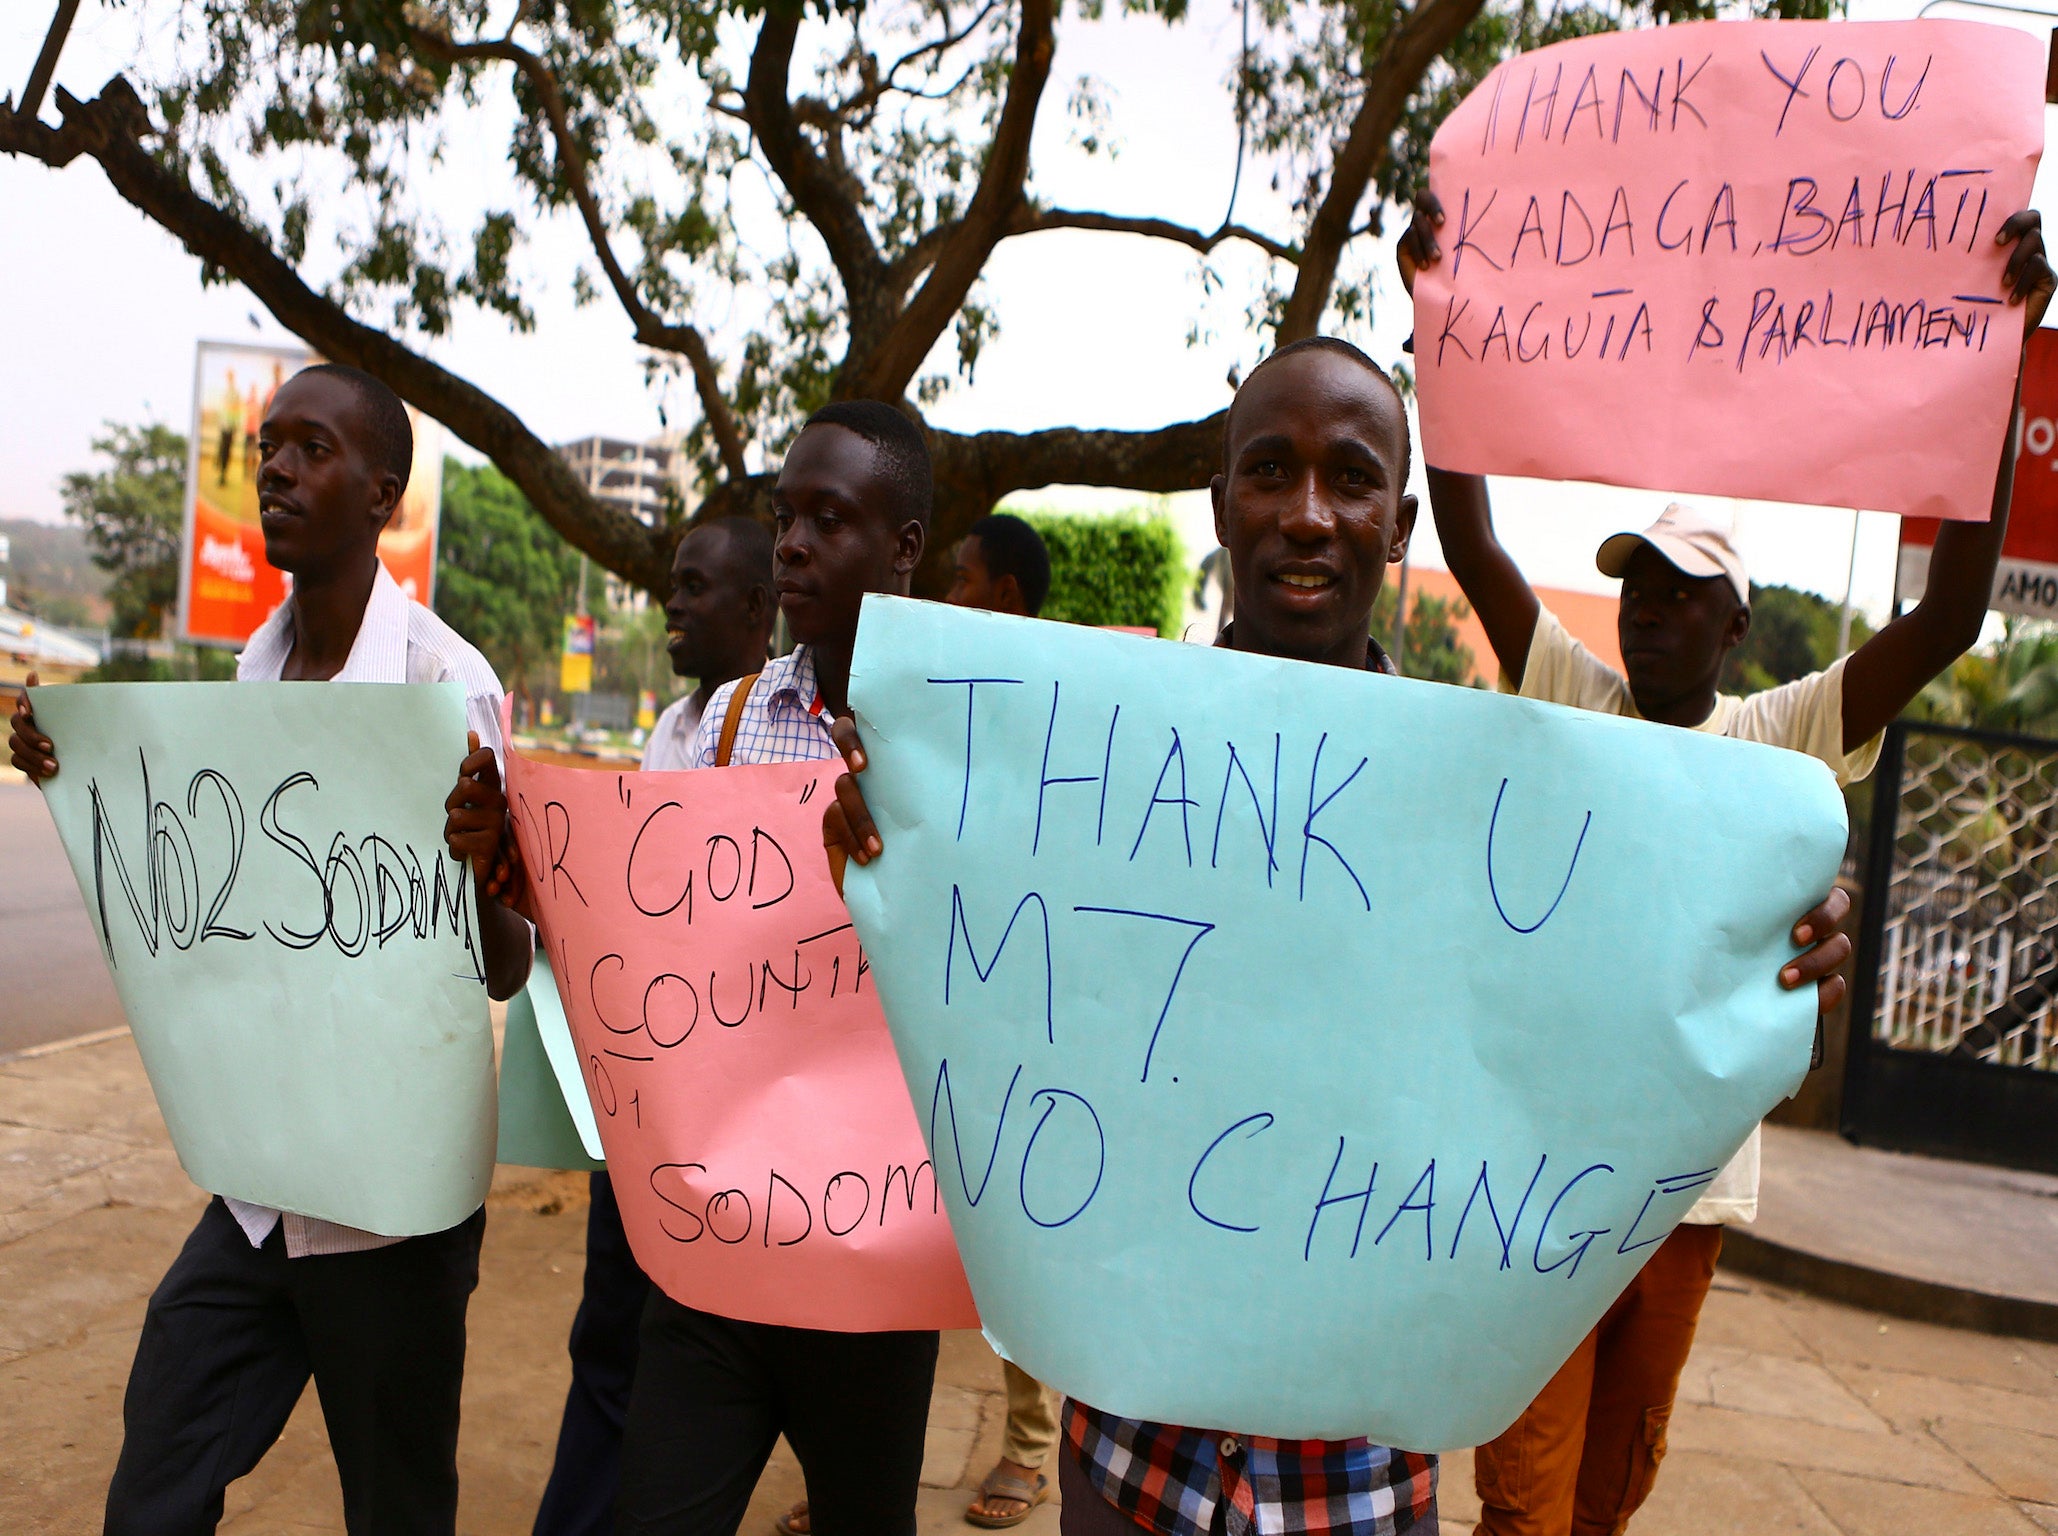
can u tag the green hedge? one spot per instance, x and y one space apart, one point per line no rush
1114 568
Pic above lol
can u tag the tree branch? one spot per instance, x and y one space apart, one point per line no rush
941 45
882 372
721 422
975 470
1028 221
46 60
651 331
21 133
1405 55
1182 456
109 130
824 200
878 85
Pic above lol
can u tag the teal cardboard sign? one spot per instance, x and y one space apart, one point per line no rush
546 1119
1306 1052
294 948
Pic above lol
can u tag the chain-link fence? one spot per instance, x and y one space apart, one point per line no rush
1968 952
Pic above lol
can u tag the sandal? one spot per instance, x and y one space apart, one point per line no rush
795 1521
1005 1485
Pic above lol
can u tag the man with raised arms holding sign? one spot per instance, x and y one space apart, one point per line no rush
1311 509
258 1300
1585 1454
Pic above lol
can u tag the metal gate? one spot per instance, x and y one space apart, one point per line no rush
1954 1043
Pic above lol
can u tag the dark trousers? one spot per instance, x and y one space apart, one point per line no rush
712 1395
580 1497
230 1338
1082 1511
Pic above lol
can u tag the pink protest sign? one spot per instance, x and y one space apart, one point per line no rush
1735 258
755 1119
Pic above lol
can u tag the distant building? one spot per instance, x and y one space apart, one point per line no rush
632 477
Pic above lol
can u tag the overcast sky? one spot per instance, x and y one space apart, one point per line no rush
102 309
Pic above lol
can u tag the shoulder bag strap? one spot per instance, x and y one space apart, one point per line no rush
734 718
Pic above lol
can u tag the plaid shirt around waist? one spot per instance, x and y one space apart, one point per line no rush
1190 1482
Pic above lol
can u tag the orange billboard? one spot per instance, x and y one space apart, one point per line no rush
226 586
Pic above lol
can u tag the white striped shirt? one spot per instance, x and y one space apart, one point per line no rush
671 739
398 641
783 719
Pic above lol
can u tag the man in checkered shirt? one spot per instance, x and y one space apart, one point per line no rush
713 1394
1311 507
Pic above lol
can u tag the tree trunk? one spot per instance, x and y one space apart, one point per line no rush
973 471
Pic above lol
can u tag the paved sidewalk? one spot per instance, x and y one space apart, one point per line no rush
1920 1237
1797 1415
93 1206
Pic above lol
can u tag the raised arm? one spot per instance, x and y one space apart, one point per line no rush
1487 574
1887 671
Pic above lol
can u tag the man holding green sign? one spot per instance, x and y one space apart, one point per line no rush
1311 507
349 1256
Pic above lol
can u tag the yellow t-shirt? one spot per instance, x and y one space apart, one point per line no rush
1806 715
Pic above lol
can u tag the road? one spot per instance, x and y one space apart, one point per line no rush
53 983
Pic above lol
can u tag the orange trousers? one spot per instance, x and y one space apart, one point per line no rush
1585 1454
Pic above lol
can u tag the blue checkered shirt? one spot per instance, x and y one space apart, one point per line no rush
1174 1481
783 719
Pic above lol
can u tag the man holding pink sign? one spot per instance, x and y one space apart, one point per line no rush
768 1165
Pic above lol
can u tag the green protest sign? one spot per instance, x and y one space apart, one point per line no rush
1305 1052
296 952
546 1119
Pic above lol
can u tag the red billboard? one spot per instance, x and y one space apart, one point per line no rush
2027 581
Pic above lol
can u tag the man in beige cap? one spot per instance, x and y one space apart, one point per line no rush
1674 636
1585 1454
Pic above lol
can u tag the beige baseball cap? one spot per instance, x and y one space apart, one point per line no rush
1689 539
